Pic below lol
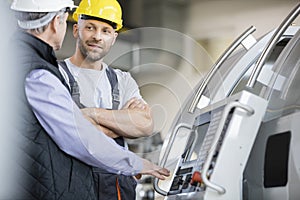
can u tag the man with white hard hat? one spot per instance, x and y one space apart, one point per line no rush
58 145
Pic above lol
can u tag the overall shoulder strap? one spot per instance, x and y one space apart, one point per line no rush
73 84
113 79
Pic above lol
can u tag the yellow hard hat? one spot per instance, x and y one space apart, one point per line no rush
109 10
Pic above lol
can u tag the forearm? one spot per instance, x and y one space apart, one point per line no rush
105 130
130 123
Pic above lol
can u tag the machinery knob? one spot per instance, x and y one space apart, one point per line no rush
196 178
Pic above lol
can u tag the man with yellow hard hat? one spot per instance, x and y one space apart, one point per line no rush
109 98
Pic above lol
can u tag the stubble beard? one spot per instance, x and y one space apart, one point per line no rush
90 56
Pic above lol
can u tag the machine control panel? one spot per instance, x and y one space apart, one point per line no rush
182 179
222 133
188 175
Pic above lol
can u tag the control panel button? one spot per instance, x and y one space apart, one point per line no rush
196 178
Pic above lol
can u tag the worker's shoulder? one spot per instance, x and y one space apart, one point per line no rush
122 74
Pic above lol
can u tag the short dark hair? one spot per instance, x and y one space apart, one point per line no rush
88 17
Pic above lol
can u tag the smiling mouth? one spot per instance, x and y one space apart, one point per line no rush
94 46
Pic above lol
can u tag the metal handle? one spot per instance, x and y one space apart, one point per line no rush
219 62
157 189
208 160
271 45
166 154
171 141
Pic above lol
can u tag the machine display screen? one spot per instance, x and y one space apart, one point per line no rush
196 138
202 136
195 142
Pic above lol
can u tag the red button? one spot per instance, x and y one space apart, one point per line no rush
196 178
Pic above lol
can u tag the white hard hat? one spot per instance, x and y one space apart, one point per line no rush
41 5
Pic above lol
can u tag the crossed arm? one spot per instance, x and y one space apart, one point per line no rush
132 121
62 120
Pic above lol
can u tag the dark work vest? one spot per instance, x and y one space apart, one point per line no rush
44 170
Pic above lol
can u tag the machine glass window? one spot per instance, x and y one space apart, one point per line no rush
284 94
264 79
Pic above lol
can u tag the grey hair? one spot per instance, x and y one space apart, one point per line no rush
31 16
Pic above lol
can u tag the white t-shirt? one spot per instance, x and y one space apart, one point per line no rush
95 88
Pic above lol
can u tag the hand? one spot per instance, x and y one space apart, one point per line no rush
107 131
135 103
154 170
87 114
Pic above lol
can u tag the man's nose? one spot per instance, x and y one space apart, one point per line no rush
98 35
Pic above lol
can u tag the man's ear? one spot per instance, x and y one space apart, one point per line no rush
115 37
55 23
75 31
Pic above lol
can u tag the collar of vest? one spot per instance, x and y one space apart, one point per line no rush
39 46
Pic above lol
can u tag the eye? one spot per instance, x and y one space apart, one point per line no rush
89 27
107 31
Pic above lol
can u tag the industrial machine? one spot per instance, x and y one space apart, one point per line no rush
237 136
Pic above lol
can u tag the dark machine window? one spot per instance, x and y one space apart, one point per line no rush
276 160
